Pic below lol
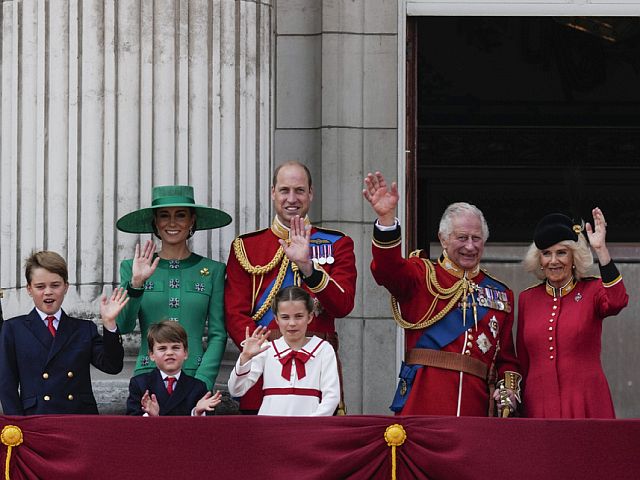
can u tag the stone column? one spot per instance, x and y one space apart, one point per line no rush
336 110
101 100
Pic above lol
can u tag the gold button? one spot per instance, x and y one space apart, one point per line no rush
551 339
467 352
551 349
70 397
550 357
469 330
47 398
551 329
551 320
470 337
469 344
70 374
553 314
45 375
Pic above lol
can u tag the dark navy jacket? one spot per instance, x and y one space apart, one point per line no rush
40 374
187 391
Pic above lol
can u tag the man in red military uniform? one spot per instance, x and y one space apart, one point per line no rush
458 320
290 252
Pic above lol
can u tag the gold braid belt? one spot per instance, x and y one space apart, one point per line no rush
453 294
241 255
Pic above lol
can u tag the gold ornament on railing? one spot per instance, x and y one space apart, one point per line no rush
11 436
395 436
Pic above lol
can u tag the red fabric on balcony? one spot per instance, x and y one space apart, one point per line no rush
118 447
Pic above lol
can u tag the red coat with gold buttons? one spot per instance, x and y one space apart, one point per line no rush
559 344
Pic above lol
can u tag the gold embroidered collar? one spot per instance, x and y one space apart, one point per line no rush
563 290
280 230
454 269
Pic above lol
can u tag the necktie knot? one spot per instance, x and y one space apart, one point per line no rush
50 325
287 361
170 383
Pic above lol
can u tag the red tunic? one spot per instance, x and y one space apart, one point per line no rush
558 344
336 297
438 391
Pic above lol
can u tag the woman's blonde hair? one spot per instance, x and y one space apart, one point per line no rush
582 258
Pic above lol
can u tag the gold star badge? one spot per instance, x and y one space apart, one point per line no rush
204 272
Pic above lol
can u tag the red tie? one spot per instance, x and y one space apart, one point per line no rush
287 360
50 326
170 382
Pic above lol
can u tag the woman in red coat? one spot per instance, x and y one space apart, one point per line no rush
560 320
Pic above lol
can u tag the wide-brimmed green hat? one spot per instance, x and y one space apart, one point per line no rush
141 221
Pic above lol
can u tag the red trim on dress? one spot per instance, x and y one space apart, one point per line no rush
305 392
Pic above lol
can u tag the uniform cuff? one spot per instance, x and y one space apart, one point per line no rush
315 279
610 274
318 280
387 238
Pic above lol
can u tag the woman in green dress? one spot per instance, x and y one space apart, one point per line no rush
175 283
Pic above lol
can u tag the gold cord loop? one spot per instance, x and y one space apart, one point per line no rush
462 288
279 258
241 255
276 288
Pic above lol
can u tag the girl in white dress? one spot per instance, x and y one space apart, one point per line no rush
300 373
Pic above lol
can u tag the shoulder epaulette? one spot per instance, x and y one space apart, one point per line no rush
495 279
533 286
591 277
250 234
331 231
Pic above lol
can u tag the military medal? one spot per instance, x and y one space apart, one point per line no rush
323 258
494 326
330 258
492 298
483 343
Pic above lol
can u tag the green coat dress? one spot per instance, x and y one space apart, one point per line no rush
189 291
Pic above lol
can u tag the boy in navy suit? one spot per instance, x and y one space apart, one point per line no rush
167 390
45 356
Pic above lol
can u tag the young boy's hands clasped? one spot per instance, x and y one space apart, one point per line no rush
150 404
208 403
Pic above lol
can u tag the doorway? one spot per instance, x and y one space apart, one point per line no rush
523 116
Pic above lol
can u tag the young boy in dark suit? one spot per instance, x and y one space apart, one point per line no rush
45 356
167 390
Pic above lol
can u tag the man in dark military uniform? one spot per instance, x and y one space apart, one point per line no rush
290 252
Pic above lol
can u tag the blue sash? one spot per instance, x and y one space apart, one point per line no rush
437 336
318 237
450 327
